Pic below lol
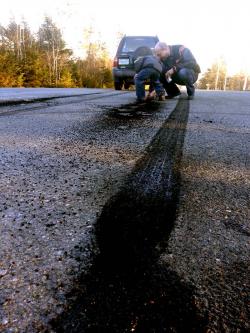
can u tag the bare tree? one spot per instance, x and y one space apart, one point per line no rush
245 81
217 76
50 39
225 81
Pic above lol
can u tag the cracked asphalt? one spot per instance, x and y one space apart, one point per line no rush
73 172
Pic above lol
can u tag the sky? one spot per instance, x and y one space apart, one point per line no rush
210 28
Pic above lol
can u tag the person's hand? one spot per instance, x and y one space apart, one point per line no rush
169 73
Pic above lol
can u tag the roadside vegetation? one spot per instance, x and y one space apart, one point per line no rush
218 78
42 60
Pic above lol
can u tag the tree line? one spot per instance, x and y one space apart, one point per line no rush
42 59
217 78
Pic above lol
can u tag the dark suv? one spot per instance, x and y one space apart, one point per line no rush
123 66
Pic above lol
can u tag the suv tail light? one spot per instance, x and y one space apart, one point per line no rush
115 62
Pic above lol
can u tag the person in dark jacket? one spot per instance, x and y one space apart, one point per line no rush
179 67
148 68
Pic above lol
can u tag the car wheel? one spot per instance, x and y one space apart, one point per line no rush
118 85
126 85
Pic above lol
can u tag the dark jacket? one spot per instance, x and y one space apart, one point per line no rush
148 62
180 57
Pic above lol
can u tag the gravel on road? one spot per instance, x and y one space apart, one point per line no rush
60 163
209 245
117 218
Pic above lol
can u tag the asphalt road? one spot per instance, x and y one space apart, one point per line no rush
119 219
12 96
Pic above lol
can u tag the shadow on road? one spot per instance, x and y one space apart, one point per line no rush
128 289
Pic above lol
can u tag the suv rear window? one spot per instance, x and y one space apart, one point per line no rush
131 44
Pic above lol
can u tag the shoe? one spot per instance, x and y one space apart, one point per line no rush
172 96
190 98
190 90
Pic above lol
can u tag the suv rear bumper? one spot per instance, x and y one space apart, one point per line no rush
124 74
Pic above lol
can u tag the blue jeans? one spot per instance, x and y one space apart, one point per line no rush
184 77
154 78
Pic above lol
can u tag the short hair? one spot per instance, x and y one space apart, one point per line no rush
161 46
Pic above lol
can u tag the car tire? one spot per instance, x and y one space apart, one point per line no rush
126 86
118 85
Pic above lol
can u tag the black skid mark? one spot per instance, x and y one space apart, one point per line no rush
128 289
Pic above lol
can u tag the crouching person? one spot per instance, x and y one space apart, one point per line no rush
180 67
148 68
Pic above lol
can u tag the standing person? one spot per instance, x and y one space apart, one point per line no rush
180 67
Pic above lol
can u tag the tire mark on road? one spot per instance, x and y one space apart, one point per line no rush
127 289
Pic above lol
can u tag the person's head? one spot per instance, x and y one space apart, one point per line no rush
162 50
